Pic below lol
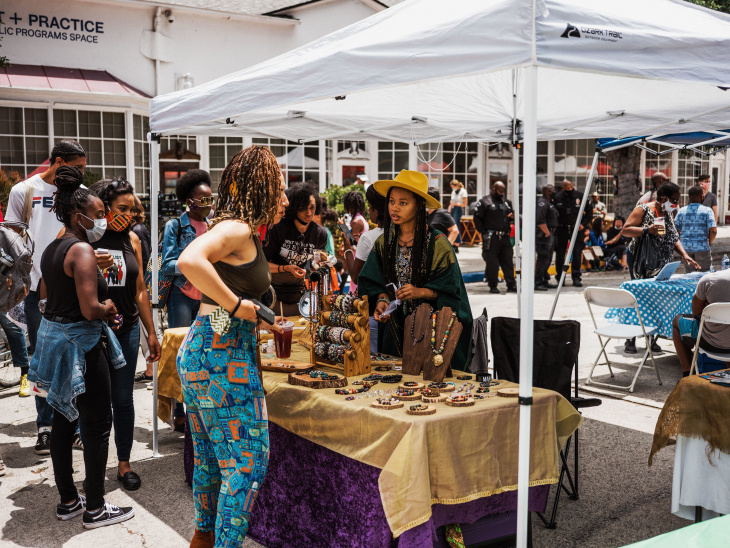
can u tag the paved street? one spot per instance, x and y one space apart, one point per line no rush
622 499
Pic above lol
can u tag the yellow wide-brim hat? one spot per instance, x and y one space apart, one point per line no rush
415 181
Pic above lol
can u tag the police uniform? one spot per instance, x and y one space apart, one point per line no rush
545 213
492 220
568 206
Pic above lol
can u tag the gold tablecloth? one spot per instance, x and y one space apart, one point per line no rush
696 408
457 455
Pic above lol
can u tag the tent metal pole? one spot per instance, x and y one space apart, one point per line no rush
154 225
516 203
526 306
576 229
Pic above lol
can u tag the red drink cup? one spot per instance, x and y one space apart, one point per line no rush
282 341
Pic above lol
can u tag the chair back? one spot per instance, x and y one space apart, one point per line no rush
556 344
609 297
717 313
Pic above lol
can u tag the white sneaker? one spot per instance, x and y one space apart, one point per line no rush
108 514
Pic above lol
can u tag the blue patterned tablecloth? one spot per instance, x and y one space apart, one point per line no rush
659 303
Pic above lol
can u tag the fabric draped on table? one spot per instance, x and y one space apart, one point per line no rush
445 279
332 500
696 408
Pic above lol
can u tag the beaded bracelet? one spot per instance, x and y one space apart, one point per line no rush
373 377
388 401
464 377
383 368
458 398
410 383
405 392
430 392
392 378
419 407
365 383
438 385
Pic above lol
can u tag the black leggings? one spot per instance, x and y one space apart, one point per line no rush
95 414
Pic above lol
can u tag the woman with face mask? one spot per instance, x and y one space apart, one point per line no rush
121 250
656 218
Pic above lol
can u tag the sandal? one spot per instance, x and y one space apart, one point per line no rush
142 376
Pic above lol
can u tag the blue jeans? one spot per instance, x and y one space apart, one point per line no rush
33 317
181 312
456 213
122 381
181 309
16 341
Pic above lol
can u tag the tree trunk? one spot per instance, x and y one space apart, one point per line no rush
626 166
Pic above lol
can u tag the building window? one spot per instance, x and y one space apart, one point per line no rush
221 150
298 162
573 160
23 139
690 166
103 136
443 162
141 126
392 158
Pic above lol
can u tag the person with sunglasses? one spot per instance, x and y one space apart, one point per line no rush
121 249
656 219
183 303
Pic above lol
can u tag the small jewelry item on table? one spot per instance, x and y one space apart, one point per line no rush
407 394
412 384
392 379
384 368
350 398
460 401
464 377
420 409
387 403
373 377
432 395
438 358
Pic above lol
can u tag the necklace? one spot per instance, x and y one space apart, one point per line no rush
438 359
413 324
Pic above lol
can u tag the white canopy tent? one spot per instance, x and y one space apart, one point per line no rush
480 70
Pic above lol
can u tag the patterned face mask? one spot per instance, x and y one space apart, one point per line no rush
118 222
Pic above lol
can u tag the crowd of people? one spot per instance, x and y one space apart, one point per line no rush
258 237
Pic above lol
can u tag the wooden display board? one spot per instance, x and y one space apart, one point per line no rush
303 379
357 360
418 357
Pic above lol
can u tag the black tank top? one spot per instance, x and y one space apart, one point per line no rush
245 280
121 277
62 298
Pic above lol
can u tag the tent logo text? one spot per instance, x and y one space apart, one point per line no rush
570 31
592 33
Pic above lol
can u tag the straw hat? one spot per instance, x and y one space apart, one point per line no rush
415 181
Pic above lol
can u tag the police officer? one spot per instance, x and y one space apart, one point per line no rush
567 202
546 219
493 217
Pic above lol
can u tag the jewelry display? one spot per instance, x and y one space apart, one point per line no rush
408 394
464 377
392 379
387 403
420 409
460 400
438 358
373 377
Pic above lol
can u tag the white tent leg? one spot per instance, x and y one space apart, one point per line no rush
576 229
154 229
526 310
516 203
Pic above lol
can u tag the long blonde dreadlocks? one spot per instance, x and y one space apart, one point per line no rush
249 188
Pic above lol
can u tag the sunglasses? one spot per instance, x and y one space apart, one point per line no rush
205 200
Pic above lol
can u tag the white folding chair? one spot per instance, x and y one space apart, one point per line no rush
712 313
618 298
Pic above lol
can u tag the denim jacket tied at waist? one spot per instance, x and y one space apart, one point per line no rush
59 362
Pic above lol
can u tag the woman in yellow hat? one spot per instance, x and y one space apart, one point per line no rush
416 258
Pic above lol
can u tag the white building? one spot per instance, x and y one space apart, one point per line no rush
86 69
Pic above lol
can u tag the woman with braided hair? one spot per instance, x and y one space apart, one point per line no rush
217 362
70 361
416 259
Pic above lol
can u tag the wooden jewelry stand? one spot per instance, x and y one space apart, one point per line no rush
419 357
357 359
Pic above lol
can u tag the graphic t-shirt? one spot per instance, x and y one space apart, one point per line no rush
286 245
121 276
189 289
43 224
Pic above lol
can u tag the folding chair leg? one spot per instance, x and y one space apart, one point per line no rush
590 380
575 496
608 362
653 363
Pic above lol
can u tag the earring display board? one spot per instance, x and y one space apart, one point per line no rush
417 340
356 350
419 356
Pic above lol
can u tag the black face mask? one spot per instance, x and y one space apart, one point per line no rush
498 197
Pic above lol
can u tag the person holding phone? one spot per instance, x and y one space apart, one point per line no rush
293 242
419 261
217 362
70 361
128 292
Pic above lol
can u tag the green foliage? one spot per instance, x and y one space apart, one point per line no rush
90 178
336 194
7 180
718 5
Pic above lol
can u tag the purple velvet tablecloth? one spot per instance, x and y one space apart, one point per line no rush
315 497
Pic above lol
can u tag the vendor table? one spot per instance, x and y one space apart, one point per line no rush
708 534
659 303
469 233
695 413
423 467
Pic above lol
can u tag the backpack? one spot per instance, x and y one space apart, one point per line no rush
16 263
164 282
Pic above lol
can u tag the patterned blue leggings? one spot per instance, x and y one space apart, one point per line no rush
229 425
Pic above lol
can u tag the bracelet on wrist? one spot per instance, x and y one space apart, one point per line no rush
235 309
383 300
351 251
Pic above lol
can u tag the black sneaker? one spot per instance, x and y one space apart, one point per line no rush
541 288
43 445
71 510
656 349
493 290
108 514
77 443
630 346
577 283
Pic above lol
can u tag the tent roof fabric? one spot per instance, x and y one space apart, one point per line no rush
65 79
719 138
428 70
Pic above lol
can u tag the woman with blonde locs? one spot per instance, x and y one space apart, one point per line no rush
218 360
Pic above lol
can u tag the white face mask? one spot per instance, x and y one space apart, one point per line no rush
95 234
669 206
